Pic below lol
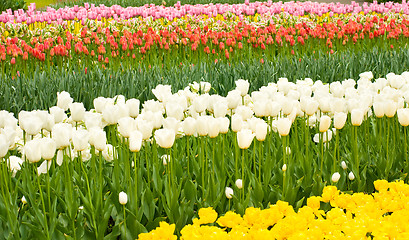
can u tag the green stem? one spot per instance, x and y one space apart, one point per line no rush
43 206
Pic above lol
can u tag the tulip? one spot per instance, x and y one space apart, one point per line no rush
77 112
189 126
339 120
403 116
48 148
108 153
24 200
62 135
213 127
162 92
239 183
126 125
220 109
244 138
93 119
100 103
171 123
135 141
379 109
165 137
32 151
390 108
14 163
224 124
233 99
326 137
60 157
123 198
31 124
351 176
133 107
335 177
284 167
165 159
275 109
261 131
205 87
111 114
44 167
64 100
229 192
242 86
80 139
174 111
344 165
98 138
145 127
200 103
325 122
283 126
202 127
357 116
288 150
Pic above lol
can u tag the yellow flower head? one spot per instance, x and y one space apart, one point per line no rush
164 231
230 220
206 215
329 193
381 185
314 202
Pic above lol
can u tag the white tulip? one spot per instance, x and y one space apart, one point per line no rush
24 200
379 108
245 112
58 114
283 126
4 145
165 137
77 111
162 92
403 116
48 148
135 141
213 125
60 157
244 138
64 100
339 120
80 139
145 127
335 177
123 198
284 167
325 122
133 107
44 167
200 103
62 133
229 192
111 114
239 183
351 176
220 109
108 153
233 99
100 103
98 138
174 111
261 130
171 123
14 163
189 126
390 108
344 165
165 159
93 119
125 126
32 151
31 124
236 123
202 127
224 124
326 137
275 109
357 116
242 86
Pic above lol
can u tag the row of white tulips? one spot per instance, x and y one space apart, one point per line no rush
192 111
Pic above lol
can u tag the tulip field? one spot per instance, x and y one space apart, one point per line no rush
192 120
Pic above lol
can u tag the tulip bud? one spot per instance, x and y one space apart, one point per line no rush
243 86
135 141
220 109
261 130
344 165
32 151
125 126
379 109
189 126
108 153
224 123
77 111
14 163
62 135
202 126
80 139
123 198
390 108
339 120
48 147
244 138
229 192
335 177
44 167
133 107
165 137
283 126
60 157
239 183
64 100
233 99
98 138
351 176
213 127
236 123
24 200
171 123
403 116
165 159
357 115
58 114
284 167
325 122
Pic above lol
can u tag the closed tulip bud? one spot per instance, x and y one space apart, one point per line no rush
325 122
261 131
344 165
32 151
200 103
357 116
189 126
262 108
242 86
48 148
165 159
60 157
77 111
32 124
202 126
233 99
213 127
133 107
24 200
283 126
224 124
108 153
165 137
123 198
311 108
220 109
62 135
239 183
171 123
236 123
64 100
390 108
244 138
339 120
135 141
335 177
98 138
125 126
205 87
229 192
162 92
403 116
14 163
80 139
351 176
284 167
379 109
4 145
100 103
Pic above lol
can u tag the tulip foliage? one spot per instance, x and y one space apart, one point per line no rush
122 167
